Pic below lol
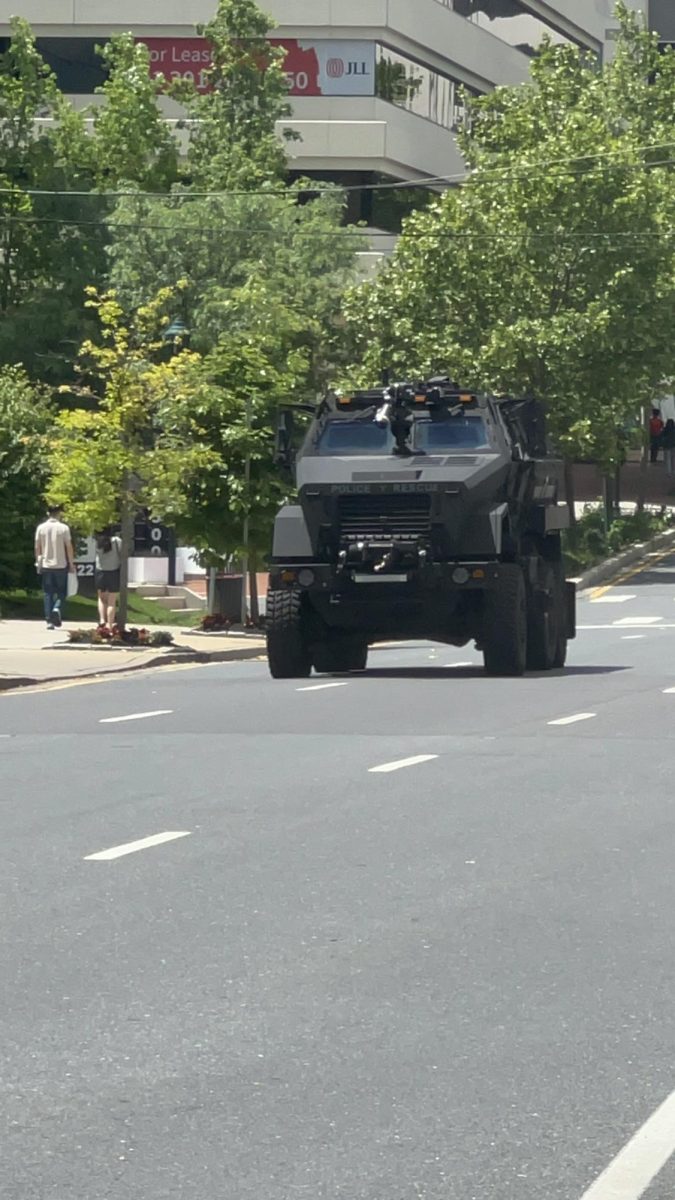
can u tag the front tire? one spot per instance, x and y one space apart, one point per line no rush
288 653
505 624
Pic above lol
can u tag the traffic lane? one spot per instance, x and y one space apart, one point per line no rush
391 715
258 698
446 697
428 977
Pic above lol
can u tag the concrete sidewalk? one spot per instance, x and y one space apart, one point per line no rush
31 654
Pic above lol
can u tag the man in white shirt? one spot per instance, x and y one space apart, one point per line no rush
54 558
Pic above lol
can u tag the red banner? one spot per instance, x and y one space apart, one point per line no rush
312 68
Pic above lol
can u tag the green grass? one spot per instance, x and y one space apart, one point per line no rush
27 606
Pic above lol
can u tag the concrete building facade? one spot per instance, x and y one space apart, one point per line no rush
375 84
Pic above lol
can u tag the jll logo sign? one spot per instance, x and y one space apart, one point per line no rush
329 68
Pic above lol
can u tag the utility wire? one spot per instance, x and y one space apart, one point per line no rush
358 234
311 186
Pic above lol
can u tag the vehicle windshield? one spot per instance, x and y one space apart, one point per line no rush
445 434
452 433
355 437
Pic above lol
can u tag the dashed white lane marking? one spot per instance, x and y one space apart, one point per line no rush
669 691
612 599
131 847
636 1166
159 712
401 762
464 664
632 637
638 621
320 687
572 720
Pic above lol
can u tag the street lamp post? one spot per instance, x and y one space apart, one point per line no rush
246 529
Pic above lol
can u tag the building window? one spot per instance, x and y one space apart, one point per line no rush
419 90
78 68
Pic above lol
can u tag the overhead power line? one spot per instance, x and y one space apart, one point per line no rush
355 233
402 185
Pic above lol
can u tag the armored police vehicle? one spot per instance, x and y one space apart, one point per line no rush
424 511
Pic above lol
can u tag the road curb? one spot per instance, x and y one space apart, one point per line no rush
612 567
175 658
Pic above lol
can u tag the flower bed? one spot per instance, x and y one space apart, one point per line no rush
215 623
102 636
218 623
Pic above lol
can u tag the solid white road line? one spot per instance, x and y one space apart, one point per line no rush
572 720
131 847
642 623
638 621
612 599
319 687
636 1166
159 712
401 762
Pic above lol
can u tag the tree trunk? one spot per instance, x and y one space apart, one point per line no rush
253 590
569 491
127 532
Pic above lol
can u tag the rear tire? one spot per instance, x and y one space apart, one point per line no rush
544 617
505 624
287 649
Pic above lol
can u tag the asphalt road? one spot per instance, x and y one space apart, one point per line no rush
454 980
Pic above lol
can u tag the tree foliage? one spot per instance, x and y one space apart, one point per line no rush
232 126
25 416
125 449
53 215
109 210
551 270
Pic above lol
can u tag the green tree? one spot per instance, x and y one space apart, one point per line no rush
232 126
53 215
242 256
25 417
133 142
230 408
43 253
551 270
127 453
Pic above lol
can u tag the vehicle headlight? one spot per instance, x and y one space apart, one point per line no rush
305 577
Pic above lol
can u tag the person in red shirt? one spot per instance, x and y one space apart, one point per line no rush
655 431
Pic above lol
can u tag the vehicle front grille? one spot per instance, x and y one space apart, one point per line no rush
384 518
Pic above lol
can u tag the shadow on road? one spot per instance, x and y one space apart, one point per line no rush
476 672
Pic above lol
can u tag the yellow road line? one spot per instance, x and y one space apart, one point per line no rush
624 576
